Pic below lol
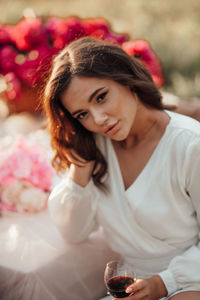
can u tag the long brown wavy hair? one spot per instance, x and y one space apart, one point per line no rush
90 58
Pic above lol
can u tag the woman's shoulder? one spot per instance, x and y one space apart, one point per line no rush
184 125
183 139
182 134
181 145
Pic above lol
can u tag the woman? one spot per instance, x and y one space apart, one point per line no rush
133 167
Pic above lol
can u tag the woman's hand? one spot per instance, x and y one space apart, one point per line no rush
147 289
80 170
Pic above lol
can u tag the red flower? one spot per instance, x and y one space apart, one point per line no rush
93 26
36 62
142 50
27 33
64 31
114 38
13 91
7 58
100 29
4 35
96 28
36 43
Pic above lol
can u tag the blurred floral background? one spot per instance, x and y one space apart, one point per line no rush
171 27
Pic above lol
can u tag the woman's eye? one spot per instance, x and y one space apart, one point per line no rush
101 97
82 115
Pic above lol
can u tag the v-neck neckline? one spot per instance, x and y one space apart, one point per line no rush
147 163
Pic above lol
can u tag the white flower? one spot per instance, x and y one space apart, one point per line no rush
22 196
33 199
10 194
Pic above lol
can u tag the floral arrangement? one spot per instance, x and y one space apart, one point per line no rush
25 176
27 48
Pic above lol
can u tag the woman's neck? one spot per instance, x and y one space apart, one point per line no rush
147 124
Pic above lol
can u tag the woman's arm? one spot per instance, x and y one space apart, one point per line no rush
81 174
184 270
72 204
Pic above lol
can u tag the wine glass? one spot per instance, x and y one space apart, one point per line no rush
117 277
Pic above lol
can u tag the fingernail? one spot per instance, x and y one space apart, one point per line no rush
128 290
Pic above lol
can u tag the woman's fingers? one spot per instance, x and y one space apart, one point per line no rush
136 286
151 288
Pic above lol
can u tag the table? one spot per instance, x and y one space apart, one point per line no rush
37 264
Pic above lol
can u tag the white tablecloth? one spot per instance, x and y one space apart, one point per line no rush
37 264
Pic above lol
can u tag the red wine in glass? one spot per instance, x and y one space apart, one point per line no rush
116 286
117 278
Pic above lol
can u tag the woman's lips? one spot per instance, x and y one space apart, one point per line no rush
112 129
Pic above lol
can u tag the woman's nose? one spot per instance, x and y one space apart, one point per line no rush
100 118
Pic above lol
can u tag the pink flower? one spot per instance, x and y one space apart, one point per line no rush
7 58
25 161
6 179
13 90
63 31
41 175
15 165
27 33
142 50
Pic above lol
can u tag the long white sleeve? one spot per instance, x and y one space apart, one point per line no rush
73 209
184 270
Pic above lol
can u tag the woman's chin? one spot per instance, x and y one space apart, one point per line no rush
119 137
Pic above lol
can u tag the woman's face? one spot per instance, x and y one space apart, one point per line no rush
101 105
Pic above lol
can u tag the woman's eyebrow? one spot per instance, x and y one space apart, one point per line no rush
94 93
89 100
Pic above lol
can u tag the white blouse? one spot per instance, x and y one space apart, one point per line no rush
155 223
